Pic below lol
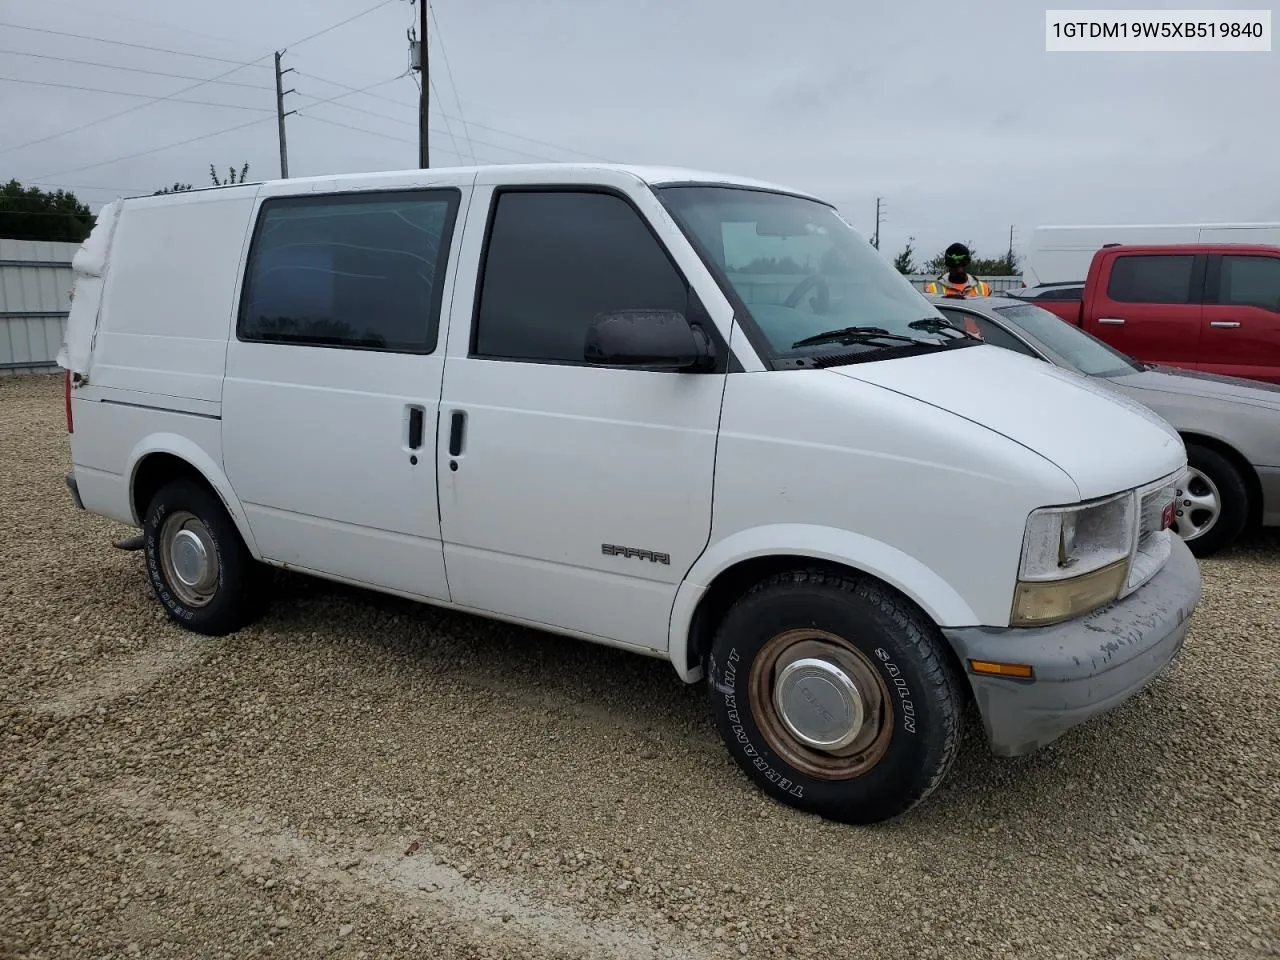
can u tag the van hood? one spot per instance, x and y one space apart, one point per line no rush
1103 440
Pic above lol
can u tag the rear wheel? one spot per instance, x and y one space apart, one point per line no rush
835 696
1213 502
197 563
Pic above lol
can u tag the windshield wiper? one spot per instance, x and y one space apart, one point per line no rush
934 325
853 335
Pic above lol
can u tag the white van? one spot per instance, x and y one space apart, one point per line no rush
693 416
1062 254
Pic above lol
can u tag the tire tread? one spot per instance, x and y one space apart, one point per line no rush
920 635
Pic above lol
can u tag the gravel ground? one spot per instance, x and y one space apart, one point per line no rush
362 777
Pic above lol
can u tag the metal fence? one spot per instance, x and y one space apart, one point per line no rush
35 298
997 284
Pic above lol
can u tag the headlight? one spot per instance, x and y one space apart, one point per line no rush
1074 559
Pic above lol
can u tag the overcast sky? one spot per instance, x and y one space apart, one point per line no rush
960 120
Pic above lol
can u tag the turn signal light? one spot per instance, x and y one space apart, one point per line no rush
70 425
1020 671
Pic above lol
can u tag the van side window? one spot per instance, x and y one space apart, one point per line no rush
1151 279
360 271
1250 281
557 258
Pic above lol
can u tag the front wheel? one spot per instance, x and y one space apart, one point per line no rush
835 696
198 566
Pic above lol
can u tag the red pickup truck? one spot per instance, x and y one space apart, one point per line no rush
1209 307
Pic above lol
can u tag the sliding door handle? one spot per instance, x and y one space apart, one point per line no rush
416 417
457 432
1112 321
1227 324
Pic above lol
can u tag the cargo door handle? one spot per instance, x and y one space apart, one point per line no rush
457 430
1228 324
1112 321
416 415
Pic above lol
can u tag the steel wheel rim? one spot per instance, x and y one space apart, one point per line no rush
189 558
850 757
1199 505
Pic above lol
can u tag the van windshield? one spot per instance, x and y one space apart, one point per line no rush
803 271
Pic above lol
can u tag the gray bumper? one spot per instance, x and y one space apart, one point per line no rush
1083 667
75 491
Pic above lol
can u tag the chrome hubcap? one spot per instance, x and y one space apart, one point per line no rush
1197 506
189 558
819 703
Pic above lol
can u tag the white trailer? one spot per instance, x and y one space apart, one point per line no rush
1063 254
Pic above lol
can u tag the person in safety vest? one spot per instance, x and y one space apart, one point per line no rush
956 282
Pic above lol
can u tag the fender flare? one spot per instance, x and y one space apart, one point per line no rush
193 454
938 599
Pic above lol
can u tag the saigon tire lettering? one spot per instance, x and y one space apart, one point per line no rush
899 684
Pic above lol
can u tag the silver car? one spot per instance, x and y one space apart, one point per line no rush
1231 427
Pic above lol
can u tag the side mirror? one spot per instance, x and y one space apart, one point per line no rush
650 340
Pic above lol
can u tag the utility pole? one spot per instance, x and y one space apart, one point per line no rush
424 86
876 240
281 114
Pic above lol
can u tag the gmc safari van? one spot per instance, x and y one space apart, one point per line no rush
693 416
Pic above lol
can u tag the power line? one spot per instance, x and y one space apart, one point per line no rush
124 43
341 23
481 126
348 126
352 92
452 83
375 133
125 93
94 123
182 143
203 36
447 125
143 153
363 111
495 146
170 96
112 66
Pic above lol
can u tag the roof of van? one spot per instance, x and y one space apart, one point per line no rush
652 175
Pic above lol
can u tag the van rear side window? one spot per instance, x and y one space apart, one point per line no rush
360 271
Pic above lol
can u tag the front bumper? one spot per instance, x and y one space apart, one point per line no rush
1082 667
75 491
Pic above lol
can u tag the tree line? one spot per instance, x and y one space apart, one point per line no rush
29 213
1005 265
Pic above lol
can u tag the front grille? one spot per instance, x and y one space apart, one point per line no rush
1155 542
